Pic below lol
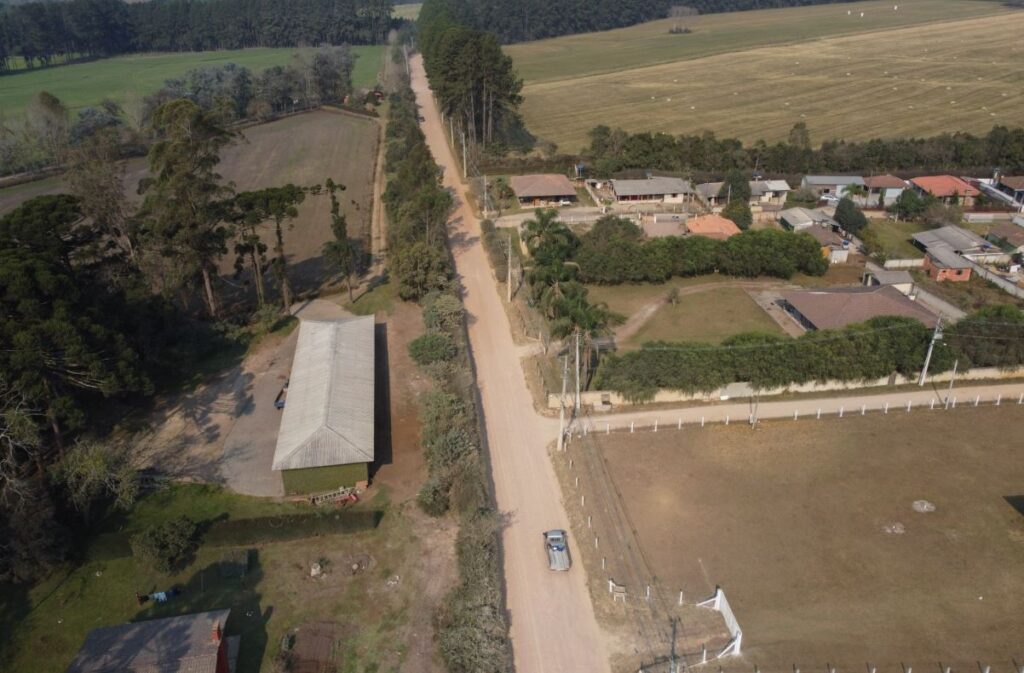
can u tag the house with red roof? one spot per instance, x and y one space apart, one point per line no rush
948 189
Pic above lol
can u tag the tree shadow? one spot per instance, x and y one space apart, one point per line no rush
15 606
382 402
1016 502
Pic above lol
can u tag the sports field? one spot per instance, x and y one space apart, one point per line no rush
811 529
128 78
928 67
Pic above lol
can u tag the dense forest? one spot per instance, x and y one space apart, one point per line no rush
44 33
615 150
523 20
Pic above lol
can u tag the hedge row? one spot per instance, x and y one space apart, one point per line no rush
495 248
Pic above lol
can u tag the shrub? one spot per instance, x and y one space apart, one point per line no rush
166 546
850 217
432 347
442 311
433 496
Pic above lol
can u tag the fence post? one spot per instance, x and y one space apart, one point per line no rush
840 412
863 409
631 426
977 400
577 482
607 428
680 598
583 500
1020 400
727 419
931 407
796 415
602 563
648 597
999 399
595 542
909 403
954 403
655 424
590 523
819 413
886 407
702 421
679 425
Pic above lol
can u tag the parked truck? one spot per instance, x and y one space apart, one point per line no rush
557 545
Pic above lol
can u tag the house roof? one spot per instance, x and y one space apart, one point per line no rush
885 182
800 218
653 186
1014 182
709 190
182 644
945 185
328 417
889 276
833 309
825 235
947 259
712 226
825 180
954 238
777 185
1012 233
547 185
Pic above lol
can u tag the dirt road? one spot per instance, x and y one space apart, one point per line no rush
552 620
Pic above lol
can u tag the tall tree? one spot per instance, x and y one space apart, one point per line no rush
340 252
279 205
184 204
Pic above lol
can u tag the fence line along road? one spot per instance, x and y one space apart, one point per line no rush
802 409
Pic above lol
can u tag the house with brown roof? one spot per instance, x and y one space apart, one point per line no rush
1012 186
883 190
653 189
834 247
186 644
837 308
712 226
1007 235
543 189
948 189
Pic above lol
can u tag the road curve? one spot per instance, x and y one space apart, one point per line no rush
553 628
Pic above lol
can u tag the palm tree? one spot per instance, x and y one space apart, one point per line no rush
546 238
574 315
856 191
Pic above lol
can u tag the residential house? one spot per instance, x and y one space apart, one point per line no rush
883 190
948 189
1012 186
799 219
839 307
712 226
1008 236
762 193
708 192
834 185
653 190
543 189
834 247
962 242
943 264
186 644
326 438
897 278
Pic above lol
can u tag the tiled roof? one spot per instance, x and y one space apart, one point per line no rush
955 238
945 185
834 180
712 226
655 186
1014 182
834 309
547 185
885 182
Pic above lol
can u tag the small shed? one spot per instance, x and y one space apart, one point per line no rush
326 439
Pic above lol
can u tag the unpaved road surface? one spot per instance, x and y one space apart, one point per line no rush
552 620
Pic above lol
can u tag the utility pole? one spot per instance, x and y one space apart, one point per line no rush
508 280
561 413
576 410
673 658
486 203
936 336
464 168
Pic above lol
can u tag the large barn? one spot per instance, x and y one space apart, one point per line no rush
326 439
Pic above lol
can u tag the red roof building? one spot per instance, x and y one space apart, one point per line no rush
712 226
947 188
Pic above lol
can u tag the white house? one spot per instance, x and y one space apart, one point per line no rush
833 185
883 190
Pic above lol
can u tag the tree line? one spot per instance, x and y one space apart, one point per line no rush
991 337
104 302
48 130
524 20
613 150
47 33
473 80
472 628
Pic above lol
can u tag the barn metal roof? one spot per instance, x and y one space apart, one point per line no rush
328 417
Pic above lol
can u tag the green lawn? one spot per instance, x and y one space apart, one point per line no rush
710 317
129 78
41 627
628 298
892 239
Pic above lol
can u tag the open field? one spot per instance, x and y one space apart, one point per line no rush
892 238
790 519
932 66
710 316
304 149
409 11
127 79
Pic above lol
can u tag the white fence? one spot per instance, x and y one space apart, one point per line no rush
720 603
904 263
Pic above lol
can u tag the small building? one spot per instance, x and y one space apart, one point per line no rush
897 278
542 189
834 247
1012 186
962 242
799 219
326 439
187 644
769 192
709 193
948 189
883 190
944 264
712 226
653 189
1008 236
839 307
833 185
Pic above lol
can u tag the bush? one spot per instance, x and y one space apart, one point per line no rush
433 497
739 212
432 347
442 311
166 547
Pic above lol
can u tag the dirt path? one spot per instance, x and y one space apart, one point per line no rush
553 628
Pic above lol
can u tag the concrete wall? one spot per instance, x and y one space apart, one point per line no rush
674 396
904 263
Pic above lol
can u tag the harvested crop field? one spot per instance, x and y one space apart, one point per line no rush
931 66
811 529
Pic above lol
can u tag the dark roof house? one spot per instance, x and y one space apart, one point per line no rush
837 308
542 187
187 644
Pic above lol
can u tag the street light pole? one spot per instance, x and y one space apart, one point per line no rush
936 336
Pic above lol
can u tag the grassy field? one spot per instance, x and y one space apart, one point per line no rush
931 66
790 519
126 79
892 238
42 627
710 316
409 11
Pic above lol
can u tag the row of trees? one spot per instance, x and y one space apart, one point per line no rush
992 337
48 131
522 20
44 33
616 150
473 79
101 302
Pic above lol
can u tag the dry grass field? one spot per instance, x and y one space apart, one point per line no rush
710 317
932 66
790 519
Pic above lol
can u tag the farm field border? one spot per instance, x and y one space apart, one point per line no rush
916 81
